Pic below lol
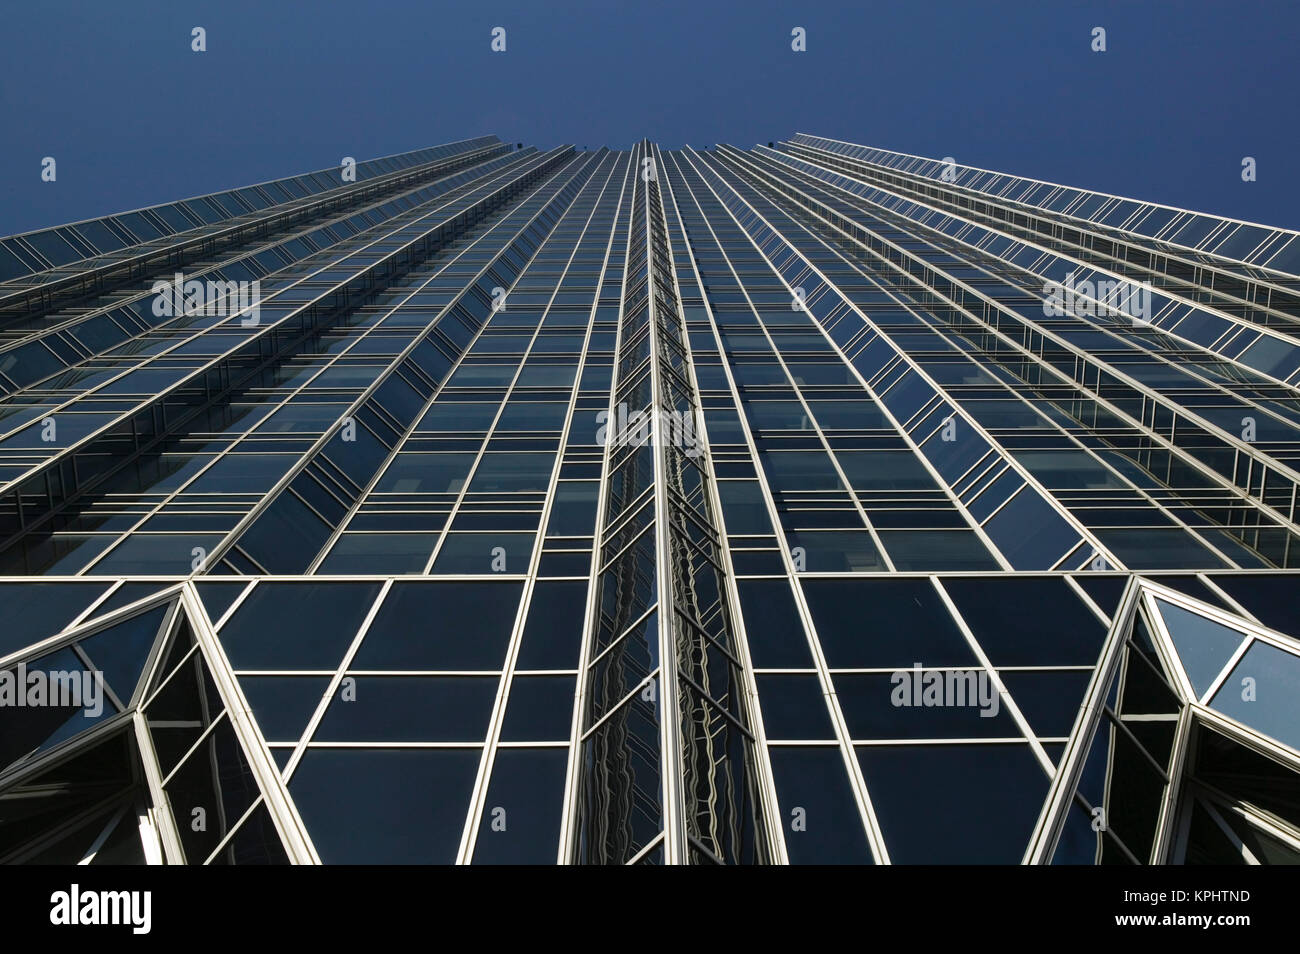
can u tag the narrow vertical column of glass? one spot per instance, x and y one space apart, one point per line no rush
669 759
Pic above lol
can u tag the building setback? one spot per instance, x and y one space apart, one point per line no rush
801 504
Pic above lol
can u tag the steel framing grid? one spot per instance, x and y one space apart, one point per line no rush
663 227
1239 447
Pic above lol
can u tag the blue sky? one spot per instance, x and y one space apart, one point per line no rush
133 116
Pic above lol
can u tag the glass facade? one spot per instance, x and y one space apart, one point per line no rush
812 503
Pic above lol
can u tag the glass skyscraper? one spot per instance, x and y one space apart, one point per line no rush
799 504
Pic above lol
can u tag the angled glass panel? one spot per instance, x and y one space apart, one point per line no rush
1204 646
47 701
926 818
441 626
521 817
385 806
121 651
283 705
819 817
36 611
1263 692
294 625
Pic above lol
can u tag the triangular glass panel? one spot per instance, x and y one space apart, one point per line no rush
1204 646
177 648
1263 693
127 594
62 693
218 597
1114 812
121 651
183 707
36 611
82 803
40 807
48 700
1148 687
